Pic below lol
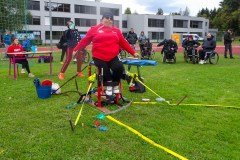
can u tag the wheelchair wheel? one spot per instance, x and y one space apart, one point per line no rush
164 58
152 56
213 58
123 54
185 56
86 58
174 59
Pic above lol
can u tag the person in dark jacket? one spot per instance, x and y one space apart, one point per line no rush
73 38
169 46
189 44
132 38
228 43
208 45
63 43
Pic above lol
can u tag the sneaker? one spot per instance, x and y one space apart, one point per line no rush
80 74
225 57
109 90
232 57
61 63
204 62
30 75
23 71
116 89
201 62
74 60
61 76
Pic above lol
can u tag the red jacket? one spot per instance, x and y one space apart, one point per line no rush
106 42
15 48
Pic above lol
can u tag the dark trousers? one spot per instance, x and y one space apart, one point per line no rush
228 47
202 54
64 49
115 65
24 63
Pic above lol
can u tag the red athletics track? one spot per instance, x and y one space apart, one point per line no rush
219 48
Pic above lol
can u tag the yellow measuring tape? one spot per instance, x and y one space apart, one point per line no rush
201 105
91 79
147 139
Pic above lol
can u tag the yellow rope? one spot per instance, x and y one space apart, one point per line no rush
147 139
92 78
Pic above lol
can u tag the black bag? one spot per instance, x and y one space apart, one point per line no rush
136 86
44 60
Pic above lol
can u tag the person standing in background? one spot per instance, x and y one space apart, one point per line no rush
73 38
228 43
142 40
63 42
7 41
132 38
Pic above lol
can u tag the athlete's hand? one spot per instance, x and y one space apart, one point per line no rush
137 55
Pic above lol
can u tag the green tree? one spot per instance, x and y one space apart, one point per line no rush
127 11
227 16
159 12
12 14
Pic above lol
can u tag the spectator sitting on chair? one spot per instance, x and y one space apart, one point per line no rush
189 45
16 47
106 41
208 45
169 46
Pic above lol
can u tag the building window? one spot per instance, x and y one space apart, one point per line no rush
156 23
180 23
124 24
55 34
35 20
156 35
116 23
57 7
85 9
115 11
33 5
60 21
85 22
195 24
206 24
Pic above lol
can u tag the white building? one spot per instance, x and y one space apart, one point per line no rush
88 13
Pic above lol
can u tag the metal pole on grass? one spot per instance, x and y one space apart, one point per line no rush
50 20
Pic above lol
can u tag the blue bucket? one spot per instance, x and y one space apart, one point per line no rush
44 91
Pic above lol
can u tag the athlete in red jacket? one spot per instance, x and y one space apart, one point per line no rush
16 47
106 42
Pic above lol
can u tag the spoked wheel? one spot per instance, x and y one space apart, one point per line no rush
123 54
185 56
164 58
86 57
174 59
152 55
213 58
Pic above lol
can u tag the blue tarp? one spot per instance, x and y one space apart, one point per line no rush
140 62
136 62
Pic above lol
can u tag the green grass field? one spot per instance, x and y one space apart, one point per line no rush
33 128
